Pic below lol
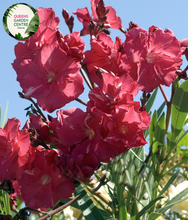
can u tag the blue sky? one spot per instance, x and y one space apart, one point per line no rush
164 14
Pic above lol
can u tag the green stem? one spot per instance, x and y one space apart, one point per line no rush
167 161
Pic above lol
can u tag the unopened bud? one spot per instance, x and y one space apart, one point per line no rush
106 31
181 74
122 30
21 95
132 25
106 12
100 9
70 23
65 15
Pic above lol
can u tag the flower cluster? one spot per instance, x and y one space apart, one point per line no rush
46 156
47 64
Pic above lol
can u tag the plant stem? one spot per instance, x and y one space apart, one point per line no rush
53 212
35 104
84 67
86 79
80 101
164 95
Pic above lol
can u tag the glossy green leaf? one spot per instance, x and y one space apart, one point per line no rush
171 180
159 133
179 109
160 109
151 100
133 212
152 127
178 198
141 154
123 212
153 216
142 212
184 160
6 202
88 208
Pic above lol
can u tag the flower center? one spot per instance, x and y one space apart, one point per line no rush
151 57
90 133
124 129
51 76
45 179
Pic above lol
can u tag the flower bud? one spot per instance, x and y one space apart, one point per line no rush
65 15
100 9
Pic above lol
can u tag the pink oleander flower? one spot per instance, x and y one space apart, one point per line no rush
44 184
52 77
15 150
125 127
112 92
151 58
104 54
73 45
101 14
82 133
81 167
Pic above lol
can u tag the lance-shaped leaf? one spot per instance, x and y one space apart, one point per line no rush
88 208
178 198
153 216
159 133
152 203
179 109
151 100
160 109
152 127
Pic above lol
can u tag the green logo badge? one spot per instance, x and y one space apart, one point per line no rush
20 21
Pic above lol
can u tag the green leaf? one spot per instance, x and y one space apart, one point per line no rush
152 127
183 139
141 154
159 133
133 212
86 205
148 207
160 109
171 180
175 200
184 160
179 109
153 216
6 202
123 212
151 100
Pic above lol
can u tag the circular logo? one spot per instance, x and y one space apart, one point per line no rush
20 21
